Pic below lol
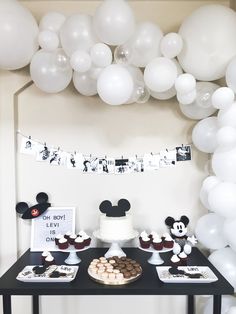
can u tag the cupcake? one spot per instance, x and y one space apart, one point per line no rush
57 238
63 244
72 238
67 235
157 243
142 234
175 260
168 242
82 234
87 240
145 242
44 255
49 260
183 258
79 243
153 234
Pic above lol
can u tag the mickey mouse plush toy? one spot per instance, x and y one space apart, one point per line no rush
179 233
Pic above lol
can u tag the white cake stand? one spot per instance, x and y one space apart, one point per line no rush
115 248
155 259
73 258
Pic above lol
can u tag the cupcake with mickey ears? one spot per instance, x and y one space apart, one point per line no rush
145 241
153 235
87 240
168 241
67 235
72 238
175 261
143 234
63 243
79 243
157 243
57 238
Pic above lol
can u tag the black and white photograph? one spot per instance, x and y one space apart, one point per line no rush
123 166
139 164
183 153
167 158
43 153
55 157
106 165
75 161
27 146
90 164
151 162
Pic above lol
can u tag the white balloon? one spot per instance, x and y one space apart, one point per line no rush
201 108
224 165
170 93
18 35
94 72
207 185
52 21
222 98
160 74
61 60
209 230
204 135
226 137
80 61
227 302
171 45
209 41
187 99
185 83
77 34
230 75
222 199
228 232
101 55
227 117
225 261
84 84
144 45
114 22
48 40
115 85
46 75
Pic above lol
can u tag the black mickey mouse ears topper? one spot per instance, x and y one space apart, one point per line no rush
36 210
123 206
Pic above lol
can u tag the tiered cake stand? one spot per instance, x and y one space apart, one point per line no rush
73 258
115 247
155 259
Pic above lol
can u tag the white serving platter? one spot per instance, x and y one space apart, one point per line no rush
207 274
27 274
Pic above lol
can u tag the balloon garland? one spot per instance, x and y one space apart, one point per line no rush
78 48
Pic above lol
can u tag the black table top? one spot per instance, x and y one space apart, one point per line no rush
148 284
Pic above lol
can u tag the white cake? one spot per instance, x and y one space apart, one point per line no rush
116 228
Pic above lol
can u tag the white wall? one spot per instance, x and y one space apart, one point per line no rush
71 121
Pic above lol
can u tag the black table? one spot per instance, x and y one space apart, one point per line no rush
148 284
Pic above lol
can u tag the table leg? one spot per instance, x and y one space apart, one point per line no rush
6 299
191 307
35 304
217 304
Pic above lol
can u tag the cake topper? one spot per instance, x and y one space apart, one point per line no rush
123 206
36 210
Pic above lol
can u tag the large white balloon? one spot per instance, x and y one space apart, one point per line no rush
230 75
114 22
227 117
48 40
202 107
80 61
222 98
228 232
171 45
207 185
18 35
160 74
209 231
115 85
47 75
227 302
226 137
225 261
222 199
144 45
209 41
52 21
84 84
224 165
101 55
204 135
77 34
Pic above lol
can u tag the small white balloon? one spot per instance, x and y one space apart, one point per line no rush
115 85
185 83
171 45
52 21
204 135
222 98
207 185
160 74
123 54
222 199
226 137
84 84
80 61
48 40
227 117
187 99
101 55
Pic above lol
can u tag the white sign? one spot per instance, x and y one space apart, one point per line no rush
45 228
